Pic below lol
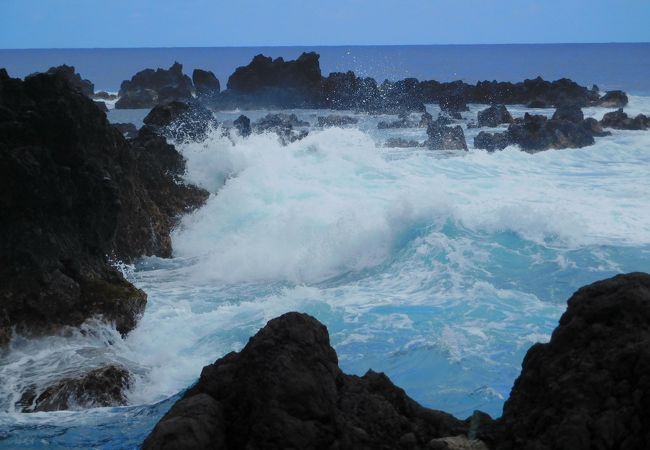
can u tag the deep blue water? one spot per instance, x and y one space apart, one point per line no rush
610 66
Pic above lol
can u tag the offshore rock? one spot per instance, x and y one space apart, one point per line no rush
494 116
619 120
181 121
283 125
243 125
442 137
149 88
205 83
285 390
589 387
613 99
571 113
98 388
336 121
75 192
492 141
537 133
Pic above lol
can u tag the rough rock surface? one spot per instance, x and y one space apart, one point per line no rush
283 125
613 99
149 88
243 125
74 190
336 121
443 137
205 83
492 141
494 116
621 121
589 387
181 121
285 390
86 87
571 113
99 387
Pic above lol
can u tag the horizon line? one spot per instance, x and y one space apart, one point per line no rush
331 45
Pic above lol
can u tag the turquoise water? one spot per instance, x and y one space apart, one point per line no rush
440 269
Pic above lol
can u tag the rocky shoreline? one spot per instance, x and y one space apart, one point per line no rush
587 388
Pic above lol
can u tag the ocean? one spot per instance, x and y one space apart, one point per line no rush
440 269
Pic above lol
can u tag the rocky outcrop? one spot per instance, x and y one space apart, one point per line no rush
492 141
86 87
243 125
103 95
181 121
336 121
206 83
400 142
101 387
494 116
571 113
453 104
285 390
149 88
127 129
284 125
613 99
443 137
589 387
619 120
75 192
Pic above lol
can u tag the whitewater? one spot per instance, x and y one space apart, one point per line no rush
439 268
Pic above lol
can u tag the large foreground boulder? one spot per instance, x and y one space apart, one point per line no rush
589 387
149 88
74 195
285 390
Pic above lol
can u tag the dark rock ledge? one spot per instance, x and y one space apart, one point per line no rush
74 193
588 388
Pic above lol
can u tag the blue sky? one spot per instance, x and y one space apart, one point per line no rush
187 23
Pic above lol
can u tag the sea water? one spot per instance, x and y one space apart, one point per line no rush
439 268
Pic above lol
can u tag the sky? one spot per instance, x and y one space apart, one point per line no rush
210 23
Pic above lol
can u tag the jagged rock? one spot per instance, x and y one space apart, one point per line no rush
538 133
442 137
181 121
101 105
149 88
594 127
589 387
494 116
127 129
619 120
492 141
86 87
571 113
336 121
613 99
456 443
401 143
285 390
403 121
283 125
205 83
74 191
103 95
101 387
453 103
243 125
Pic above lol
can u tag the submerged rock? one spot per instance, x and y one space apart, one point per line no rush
283 125
101 387
149 88
336 121
285 390
494 116
74 193
401 143
492 141
588 388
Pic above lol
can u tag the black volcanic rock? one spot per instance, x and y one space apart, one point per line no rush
98 388
103 95
205 83
537 133
283 125
75 192
127 129
589 387
181 121
443 137
243 125
86 87
571 113
285 390
621 121
613 99
492 141
149 88
455 103
494 116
